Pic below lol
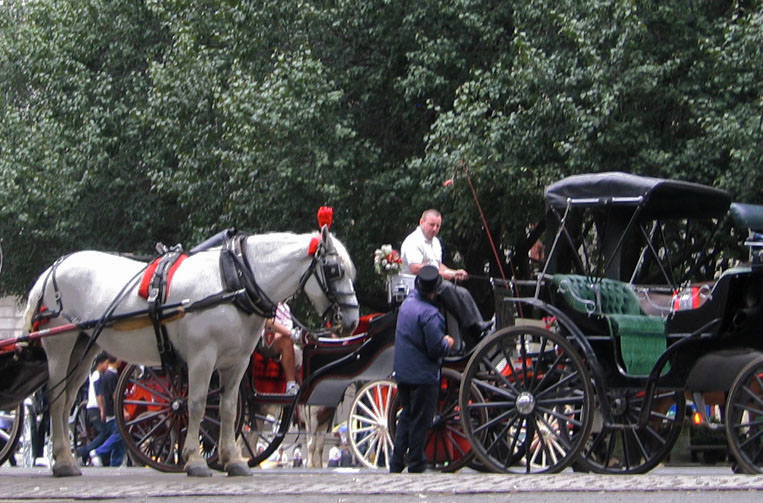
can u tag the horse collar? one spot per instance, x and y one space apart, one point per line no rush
237 275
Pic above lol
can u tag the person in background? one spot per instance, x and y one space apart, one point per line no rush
93 411
335 456
297 457
420 345
114 445
422 247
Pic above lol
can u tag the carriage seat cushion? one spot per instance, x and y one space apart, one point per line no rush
642 340
641 337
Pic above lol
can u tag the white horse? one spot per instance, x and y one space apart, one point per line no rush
86 285
317 420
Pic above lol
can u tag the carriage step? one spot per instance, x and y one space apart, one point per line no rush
276 397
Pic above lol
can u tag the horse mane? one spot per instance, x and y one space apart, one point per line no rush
295 245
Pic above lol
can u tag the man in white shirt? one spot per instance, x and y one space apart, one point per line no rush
423 247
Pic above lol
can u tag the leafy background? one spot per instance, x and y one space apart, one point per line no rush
127 122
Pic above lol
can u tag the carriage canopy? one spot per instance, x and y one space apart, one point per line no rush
659 198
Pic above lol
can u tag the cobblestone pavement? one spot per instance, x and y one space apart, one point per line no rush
143 484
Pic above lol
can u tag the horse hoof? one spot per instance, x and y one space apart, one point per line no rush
198 471
238 469
66 470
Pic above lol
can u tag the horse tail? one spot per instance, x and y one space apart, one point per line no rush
37 293
33 301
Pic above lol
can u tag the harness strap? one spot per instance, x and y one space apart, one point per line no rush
238 276
157 292
41 313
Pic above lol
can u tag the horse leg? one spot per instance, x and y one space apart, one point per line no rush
317 422
199 374
62 392
324 417
230 454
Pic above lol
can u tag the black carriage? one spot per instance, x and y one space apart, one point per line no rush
614 333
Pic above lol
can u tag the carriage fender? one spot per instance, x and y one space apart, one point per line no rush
716 371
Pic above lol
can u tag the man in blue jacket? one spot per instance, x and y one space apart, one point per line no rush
420 344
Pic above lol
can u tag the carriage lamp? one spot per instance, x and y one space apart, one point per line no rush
697 418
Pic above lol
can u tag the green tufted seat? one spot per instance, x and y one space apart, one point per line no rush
641 337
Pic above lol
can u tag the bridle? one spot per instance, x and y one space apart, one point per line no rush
327 269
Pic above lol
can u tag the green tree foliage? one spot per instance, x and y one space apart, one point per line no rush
129 122
73 80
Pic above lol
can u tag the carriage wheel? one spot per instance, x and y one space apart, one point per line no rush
263 427
11 426
538 401
447 447
631 451
368 424
154 421
744 417
81 430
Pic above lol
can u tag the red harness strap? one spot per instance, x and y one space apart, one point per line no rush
151 269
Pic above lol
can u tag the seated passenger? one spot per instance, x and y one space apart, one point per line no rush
422 247
277 340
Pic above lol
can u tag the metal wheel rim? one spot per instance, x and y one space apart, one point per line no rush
538 400
262 430
9 437
447 445
368 424
154 426
744 418
633 451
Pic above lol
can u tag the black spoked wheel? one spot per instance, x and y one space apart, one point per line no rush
81 430
537 401
635 450
154 421
744 418
263 428
447 446
11 426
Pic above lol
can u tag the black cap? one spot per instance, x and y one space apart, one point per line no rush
428 279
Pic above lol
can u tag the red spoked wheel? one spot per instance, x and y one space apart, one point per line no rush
447 446
154 419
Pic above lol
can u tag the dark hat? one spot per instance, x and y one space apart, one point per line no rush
428 279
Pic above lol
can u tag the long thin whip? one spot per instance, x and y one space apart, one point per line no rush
490 236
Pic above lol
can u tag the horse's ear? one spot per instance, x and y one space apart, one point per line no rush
325 235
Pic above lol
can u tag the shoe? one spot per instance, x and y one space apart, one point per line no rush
292 388
95 459
485 327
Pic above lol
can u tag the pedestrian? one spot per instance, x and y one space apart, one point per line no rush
114 445
420 345
422 247
346 458
297 457
335 456
93 412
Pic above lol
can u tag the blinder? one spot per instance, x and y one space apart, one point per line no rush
332 271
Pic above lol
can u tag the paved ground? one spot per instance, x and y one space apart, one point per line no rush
695 484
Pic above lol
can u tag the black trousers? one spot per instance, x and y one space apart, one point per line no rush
419 402
460 302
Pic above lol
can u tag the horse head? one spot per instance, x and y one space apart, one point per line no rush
330 287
